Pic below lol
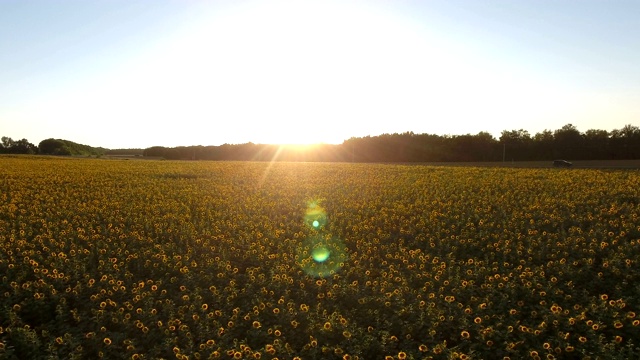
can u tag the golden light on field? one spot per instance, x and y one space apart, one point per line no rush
97 256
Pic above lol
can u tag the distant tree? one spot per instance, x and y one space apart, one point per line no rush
625 142
543 145
597 145
23 146
432 147
545 135
568 143
7 142
156 151
484 146
463 148
515 136
518 144
124 152
53 147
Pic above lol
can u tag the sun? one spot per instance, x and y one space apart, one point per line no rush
282 72
287 72
292 135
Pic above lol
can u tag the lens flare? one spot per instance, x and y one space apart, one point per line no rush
321 256
315 216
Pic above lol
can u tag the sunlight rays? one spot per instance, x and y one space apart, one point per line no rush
269 165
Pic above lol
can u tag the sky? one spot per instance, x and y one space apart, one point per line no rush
135 74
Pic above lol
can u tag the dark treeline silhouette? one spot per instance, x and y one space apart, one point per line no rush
124 152
66 147
47 147
514 145
10 146
251 152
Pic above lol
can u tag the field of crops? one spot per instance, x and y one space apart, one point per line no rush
242 260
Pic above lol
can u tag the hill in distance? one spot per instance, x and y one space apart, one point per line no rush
66 147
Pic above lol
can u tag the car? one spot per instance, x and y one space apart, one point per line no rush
562 163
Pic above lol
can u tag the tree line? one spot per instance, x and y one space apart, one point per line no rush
47 147
513 145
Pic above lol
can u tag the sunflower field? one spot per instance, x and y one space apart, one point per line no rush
253 260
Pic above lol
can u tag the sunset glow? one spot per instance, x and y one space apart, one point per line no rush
302 72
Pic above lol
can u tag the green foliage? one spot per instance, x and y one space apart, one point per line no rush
514 145
66 147
53 147
163 259
10 146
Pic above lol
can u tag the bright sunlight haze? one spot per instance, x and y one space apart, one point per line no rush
124 74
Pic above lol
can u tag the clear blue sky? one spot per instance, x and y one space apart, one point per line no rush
133 73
